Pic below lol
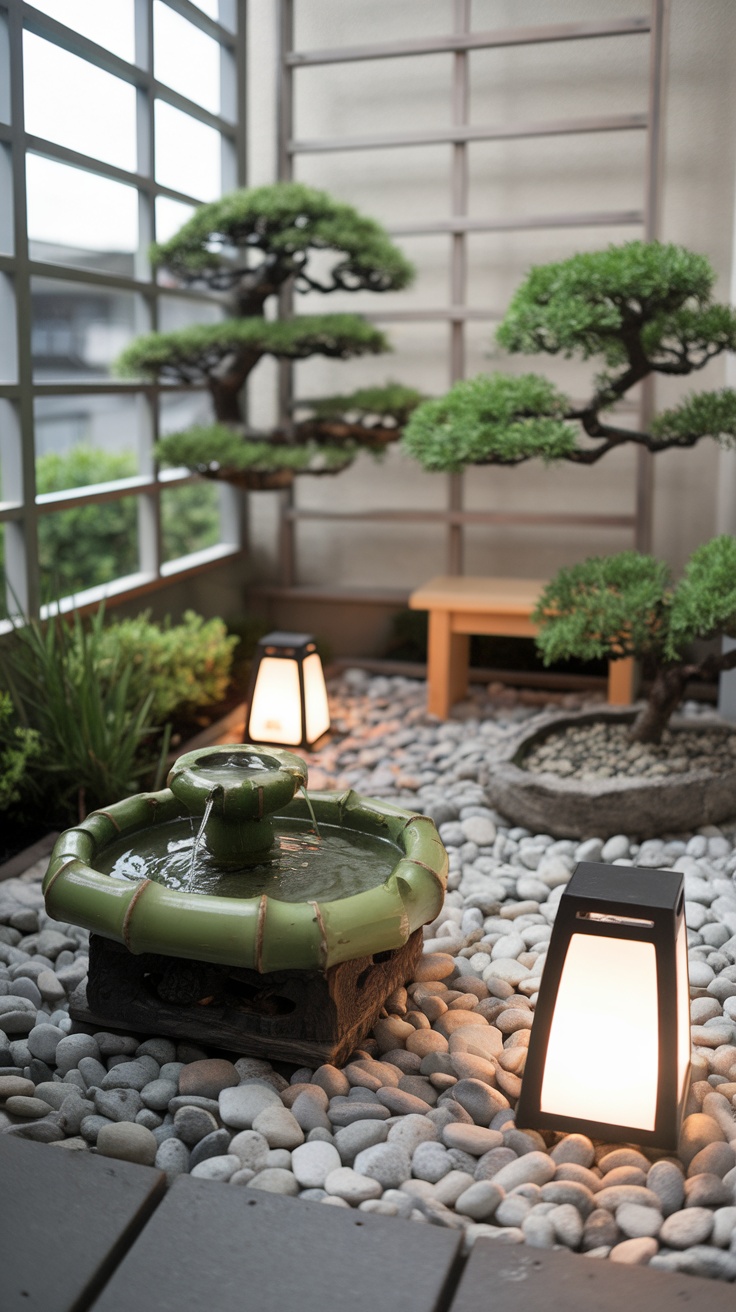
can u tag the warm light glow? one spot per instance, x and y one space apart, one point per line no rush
315 696
683 1009
603 1053
275 712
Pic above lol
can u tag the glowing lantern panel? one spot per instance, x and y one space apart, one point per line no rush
287 702
609 1052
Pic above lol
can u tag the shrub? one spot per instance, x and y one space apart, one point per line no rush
18 749
627 605
182 667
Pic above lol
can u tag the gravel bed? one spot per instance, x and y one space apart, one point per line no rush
602 751
420 1123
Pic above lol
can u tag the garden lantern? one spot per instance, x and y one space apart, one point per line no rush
609 1052
287 697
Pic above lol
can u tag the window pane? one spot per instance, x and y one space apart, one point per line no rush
77 330
79 218
185 59
170 215
190 519
187 153
180 410
8 341
87 546
180 311
210 7
60 93
110 24
85 439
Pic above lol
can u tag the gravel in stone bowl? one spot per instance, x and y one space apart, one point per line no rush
420 1122
602 751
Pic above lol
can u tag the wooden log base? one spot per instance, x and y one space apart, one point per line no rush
307 1017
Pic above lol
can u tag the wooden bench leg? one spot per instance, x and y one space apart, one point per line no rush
447 664
621 680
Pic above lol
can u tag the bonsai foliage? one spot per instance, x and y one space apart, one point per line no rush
627 605
250 246
641 308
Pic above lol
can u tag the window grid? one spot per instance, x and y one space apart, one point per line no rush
21 509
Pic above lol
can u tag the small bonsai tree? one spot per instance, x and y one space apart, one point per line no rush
627 605
251 245
642 308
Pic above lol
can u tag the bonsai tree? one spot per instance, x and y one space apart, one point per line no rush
627 605
250 246
641 308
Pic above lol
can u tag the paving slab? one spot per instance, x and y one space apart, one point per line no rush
510 1278
66 1219
209 1245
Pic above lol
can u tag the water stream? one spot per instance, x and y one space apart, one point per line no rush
197 841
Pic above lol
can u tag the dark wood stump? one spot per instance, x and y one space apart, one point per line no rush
308 1017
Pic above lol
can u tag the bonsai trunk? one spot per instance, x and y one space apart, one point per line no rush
665 695
225 384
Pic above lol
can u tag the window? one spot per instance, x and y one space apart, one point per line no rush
108 150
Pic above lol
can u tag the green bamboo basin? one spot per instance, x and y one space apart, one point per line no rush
258 933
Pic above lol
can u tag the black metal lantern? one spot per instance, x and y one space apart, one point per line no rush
609 1052
287 697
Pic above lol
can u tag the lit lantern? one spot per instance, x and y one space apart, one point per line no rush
287 698
609 1052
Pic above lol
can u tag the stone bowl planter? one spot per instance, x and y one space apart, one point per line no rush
577 808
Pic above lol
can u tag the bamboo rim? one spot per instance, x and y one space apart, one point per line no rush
257 933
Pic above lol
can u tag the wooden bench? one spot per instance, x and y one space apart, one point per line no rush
460 606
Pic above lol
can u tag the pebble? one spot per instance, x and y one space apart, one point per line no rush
240 1105
311 1163
278 1126
216 1168
420 1122
353 1188
130 1143
208 1077
683 1229
275 1180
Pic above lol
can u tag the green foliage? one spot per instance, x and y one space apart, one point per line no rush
393 401
215 446
627 605
702 414
285 222
704 602
495 418
643 308
191 354
183 667
579 306
19 747
96 742
604 606
87 546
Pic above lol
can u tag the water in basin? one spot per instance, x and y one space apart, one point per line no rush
303 867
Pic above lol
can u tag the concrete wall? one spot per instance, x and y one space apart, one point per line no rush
540 176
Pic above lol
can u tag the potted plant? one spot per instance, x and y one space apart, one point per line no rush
251 246
607 772
642 308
